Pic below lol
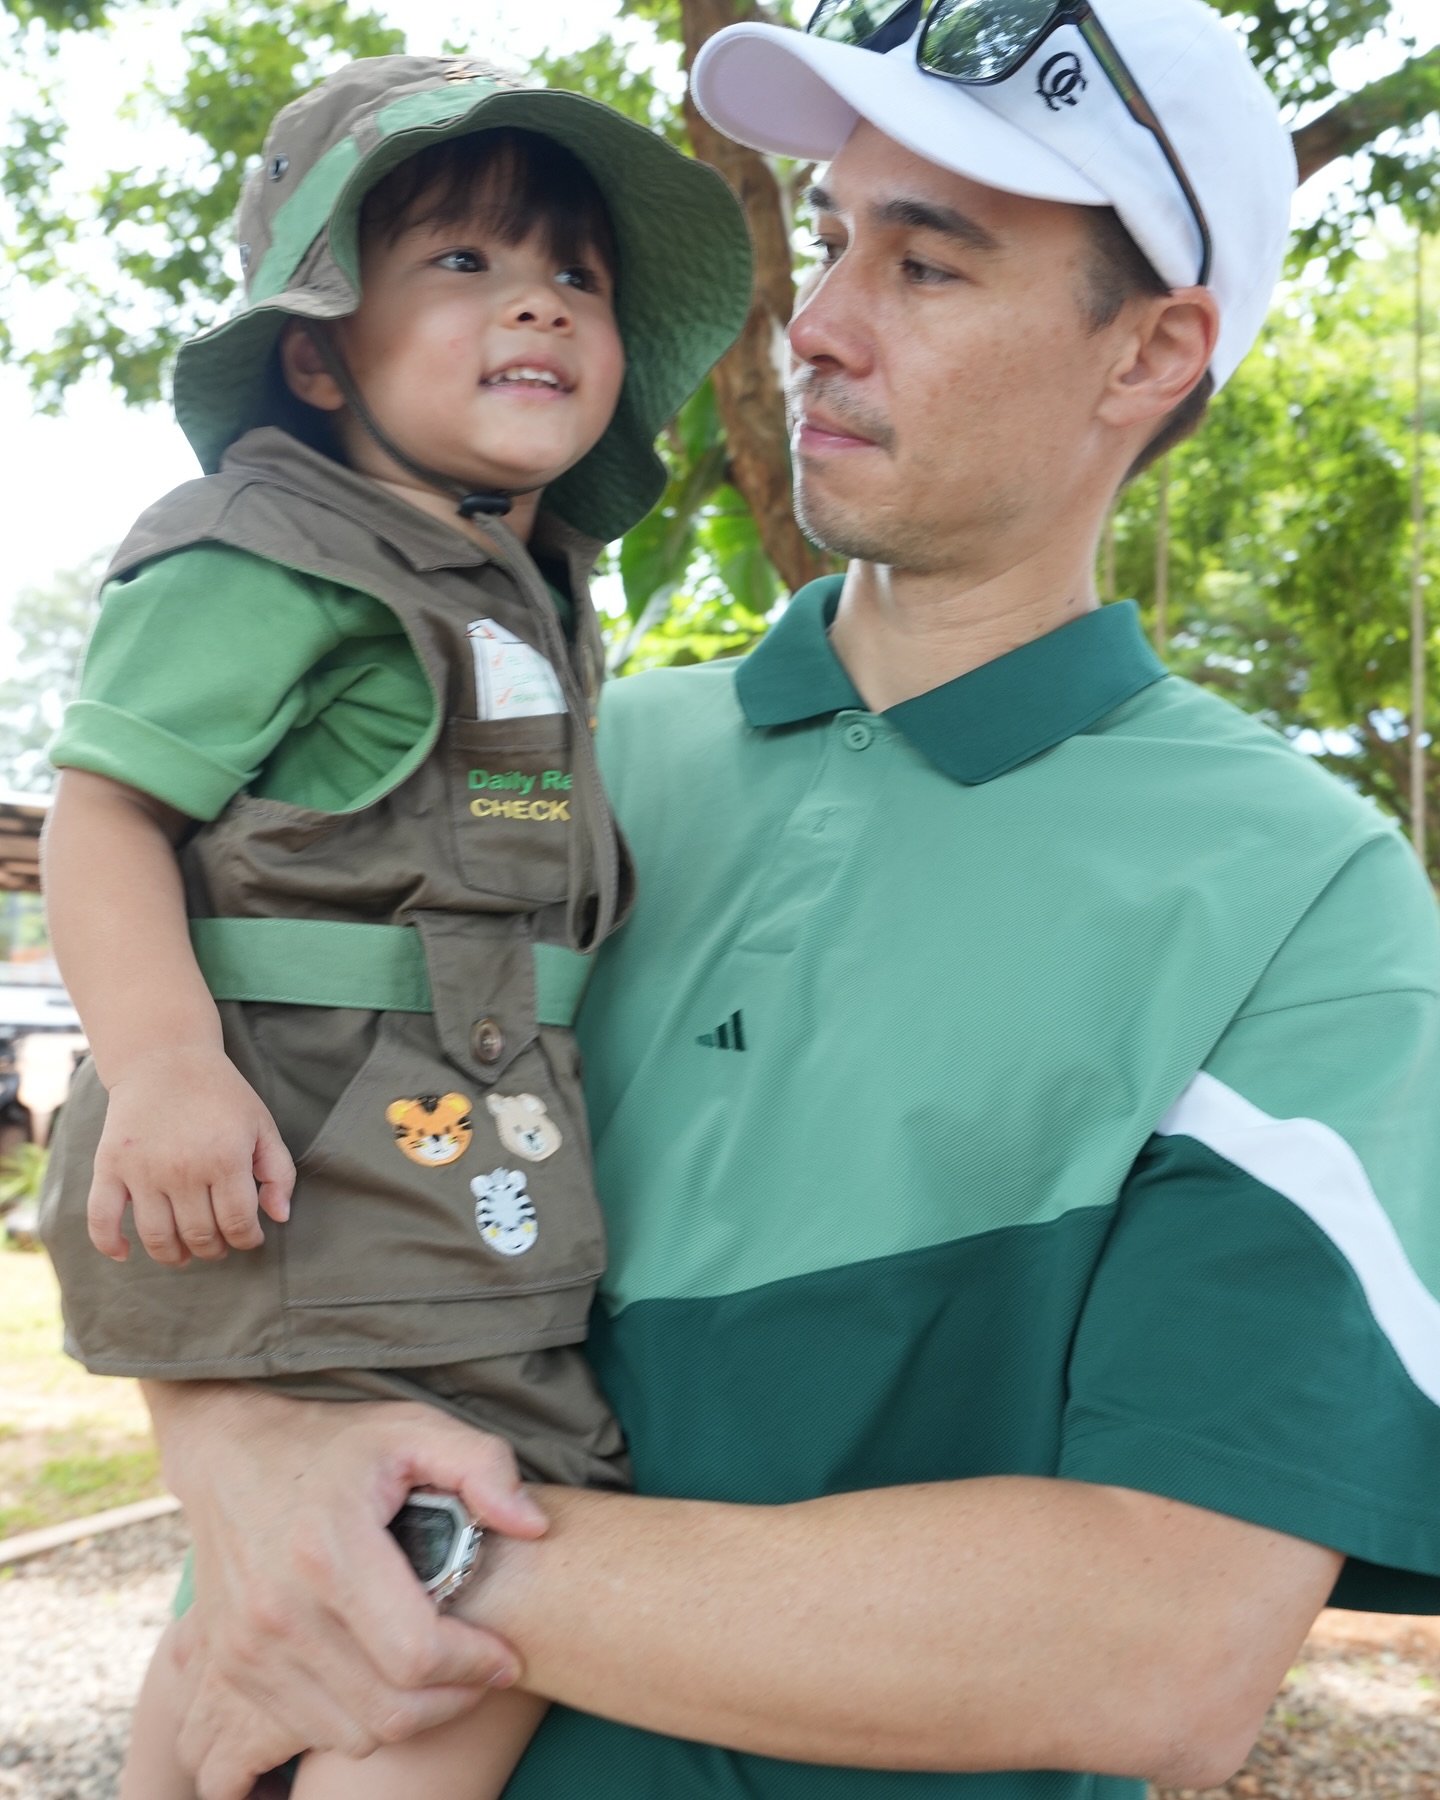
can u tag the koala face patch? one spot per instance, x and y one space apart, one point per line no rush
526 1129
432 1130
504 1212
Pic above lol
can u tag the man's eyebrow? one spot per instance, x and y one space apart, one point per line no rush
916 215
928 215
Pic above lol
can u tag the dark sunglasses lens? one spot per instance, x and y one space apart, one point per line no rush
853 21
976 40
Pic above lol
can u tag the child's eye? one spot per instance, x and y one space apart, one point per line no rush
585 279
463 262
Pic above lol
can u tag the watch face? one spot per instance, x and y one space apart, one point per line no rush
427 1535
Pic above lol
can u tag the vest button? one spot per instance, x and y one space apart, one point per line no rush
487 1040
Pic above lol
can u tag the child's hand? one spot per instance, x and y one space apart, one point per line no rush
189 1145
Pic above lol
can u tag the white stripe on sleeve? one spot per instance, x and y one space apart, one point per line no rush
1313 1167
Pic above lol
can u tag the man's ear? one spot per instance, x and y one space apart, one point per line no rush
305 373
1166 353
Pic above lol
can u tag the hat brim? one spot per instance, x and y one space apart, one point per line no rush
791 94
683 292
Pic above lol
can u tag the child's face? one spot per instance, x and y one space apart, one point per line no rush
490 362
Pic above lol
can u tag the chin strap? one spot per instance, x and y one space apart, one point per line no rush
493 505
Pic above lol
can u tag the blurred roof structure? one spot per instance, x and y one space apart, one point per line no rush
21 819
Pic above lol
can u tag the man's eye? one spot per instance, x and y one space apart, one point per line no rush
827 249
921 274
463 262
585 279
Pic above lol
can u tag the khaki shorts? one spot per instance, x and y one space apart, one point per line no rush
544 1403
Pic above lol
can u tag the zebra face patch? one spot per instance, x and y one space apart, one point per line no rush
504 1212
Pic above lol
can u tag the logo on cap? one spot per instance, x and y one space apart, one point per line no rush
1060 80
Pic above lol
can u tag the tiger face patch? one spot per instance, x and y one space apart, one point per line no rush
433 1129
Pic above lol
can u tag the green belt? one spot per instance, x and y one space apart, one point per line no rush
378 968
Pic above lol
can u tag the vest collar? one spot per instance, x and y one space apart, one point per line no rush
424 542
973 728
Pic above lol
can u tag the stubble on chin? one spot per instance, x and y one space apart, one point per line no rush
859 536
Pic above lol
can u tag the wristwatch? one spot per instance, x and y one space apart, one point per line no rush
440 1540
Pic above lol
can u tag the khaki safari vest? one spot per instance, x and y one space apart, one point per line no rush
382 980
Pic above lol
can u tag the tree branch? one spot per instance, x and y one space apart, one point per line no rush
1405 97
748 386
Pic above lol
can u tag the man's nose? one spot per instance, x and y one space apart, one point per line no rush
828 329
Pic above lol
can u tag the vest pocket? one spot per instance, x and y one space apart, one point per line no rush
512 804
421 1189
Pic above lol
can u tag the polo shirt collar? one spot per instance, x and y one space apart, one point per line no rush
973 728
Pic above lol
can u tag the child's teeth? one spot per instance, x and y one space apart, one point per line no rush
532 375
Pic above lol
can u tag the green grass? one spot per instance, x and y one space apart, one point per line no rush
71 1443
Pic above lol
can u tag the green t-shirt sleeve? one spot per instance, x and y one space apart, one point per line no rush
1262 1336
211 670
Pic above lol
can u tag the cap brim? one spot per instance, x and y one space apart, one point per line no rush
790 94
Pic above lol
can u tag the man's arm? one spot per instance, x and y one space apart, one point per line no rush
1004 1623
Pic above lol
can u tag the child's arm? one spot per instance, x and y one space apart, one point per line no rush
187 1141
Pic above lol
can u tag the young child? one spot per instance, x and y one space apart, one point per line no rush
330 805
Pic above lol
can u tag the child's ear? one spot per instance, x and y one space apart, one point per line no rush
305 373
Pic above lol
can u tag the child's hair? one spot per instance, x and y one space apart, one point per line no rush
516 182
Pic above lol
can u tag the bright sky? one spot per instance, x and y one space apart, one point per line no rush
72 485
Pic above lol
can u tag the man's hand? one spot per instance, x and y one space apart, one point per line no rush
310 1630
189 1145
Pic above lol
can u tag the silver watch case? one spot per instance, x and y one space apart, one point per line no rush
442 1577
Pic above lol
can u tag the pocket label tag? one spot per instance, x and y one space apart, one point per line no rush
512 679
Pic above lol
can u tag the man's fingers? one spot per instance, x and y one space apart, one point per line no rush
274 1172
105 1214
374 1591
441 1452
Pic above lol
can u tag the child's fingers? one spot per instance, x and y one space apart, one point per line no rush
232 1208
105 1214
155 1228
198 1222
274 1169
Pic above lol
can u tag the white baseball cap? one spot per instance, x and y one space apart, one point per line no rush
1072 140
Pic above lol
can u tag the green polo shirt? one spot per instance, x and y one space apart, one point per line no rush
1039 1078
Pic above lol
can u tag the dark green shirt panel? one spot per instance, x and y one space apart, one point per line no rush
935 1365
576 1757
1227 1356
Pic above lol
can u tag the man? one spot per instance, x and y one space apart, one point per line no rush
1015 1094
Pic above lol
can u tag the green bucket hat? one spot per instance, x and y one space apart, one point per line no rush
683 287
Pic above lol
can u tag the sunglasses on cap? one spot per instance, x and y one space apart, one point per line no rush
976 43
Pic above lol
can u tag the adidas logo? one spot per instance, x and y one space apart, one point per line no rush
729 1036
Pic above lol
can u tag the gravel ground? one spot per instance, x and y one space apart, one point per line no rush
76 1631
1359 1718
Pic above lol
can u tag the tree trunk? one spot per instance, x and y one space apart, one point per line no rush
748 382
